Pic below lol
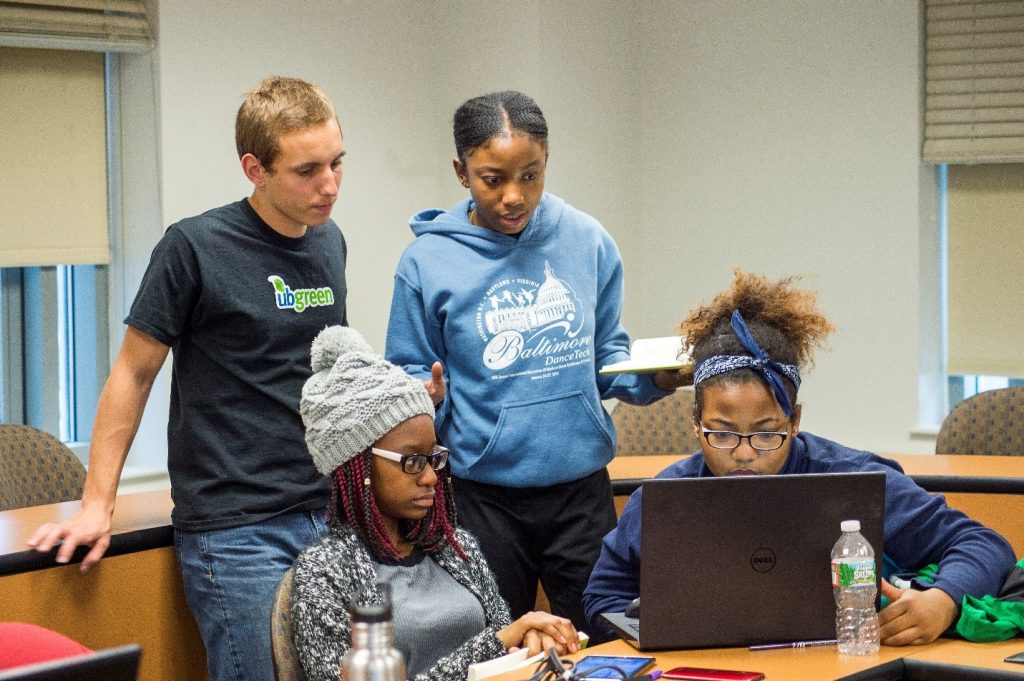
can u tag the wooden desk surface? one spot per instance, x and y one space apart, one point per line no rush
942 472
141 522
134 595
812 664
989 655
804 664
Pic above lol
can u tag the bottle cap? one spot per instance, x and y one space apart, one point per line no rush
850 526
371 613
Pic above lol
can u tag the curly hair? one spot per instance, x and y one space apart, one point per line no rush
783 319
353 503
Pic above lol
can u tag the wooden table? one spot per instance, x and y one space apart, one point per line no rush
989 655
814 664
990 489
935 472
134 595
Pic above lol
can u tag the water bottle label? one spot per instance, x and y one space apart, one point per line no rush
853 574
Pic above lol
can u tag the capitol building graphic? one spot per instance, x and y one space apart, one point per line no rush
525 310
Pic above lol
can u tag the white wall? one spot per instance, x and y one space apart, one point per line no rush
780 137
785 138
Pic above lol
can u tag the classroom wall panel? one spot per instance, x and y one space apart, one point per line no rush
781 138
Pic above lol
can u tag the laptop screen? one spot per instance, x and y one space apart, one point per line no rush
736 561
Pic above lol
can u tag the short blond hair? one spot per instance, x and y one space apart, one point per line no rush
276 106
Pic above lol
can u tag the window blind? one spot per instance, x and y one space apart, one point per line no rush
985 210
974 81
97 25
53 181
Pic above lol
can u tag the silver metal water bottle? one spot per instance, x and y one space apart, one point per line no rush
373 656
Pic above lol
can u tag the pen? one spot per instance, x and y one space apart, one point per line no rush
795 644
650 676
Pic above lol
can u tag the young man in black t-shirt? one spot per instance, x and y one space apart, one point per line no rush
238 294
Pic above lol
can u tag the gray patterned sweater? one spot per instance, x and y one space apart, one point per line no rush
338 566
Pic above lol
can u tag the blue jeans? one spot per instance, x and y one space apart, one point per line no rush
230 577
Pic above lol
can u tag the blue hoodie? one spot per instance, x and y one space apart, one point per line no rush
522 326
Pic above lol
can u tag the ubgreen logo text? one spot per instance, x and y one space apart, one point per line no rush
300 299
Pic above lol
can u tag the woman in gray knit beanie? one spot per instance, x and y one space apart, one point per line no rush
370 429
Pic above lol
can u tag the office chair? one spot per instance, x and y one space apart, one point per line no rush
665 427
991 422
36 468
286 658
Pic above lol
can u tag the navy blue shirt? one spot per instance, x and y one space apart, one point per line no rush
919 529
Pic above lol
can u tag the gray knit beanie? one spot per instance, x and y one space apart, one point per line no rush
354 398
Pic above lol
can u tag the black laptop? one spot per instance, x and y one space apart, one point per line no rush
738 561
112 664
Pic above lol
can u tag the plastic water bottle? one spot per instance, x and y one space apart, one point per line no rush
373 656
853 584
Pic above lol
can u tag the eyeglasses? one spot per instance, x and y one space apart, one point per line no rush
726 439
413 464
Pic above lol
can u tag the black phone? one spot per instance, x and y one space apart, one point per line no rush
1016 657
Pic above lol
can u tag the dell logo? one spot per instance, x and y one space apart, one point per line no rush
763 560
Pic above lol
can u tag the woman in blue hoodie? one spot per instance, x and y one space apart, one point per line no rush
518 295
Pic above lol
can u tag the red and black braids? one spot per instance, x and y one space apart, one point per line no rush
353 503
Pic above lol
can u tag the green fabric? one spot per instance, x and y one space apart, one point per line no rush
927 573
989 618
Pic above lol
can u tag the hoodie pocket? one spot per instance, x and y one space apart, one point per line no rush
546 440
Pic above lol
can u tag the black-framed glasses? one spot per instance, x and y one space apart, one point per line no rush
413 464
765 441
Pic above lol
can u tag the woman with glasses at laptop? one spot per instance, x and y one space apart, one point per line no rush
749 345
370 429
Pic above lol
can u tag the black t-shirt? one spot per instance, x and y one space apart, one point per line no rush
240 304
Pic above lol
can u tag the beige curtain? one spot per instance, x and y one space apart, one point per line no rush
974 81
98 25
986 269
53 176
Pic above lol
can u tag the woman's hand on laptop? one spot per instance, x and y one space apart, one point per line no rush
914 617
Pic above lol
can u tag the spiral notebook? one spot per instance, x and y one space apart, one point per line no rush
744 561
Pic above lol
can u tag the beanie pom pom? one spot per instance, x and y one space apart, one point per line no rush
333 342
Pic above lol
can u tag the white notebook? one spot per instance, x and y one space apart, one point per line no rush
647 355
500 665
510 661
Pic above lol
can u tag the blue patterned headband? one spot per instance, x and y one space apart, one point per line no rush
758 360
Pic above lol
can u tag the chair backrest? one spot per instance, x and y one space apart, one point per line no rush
36 468
665 427
991 422
287 666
